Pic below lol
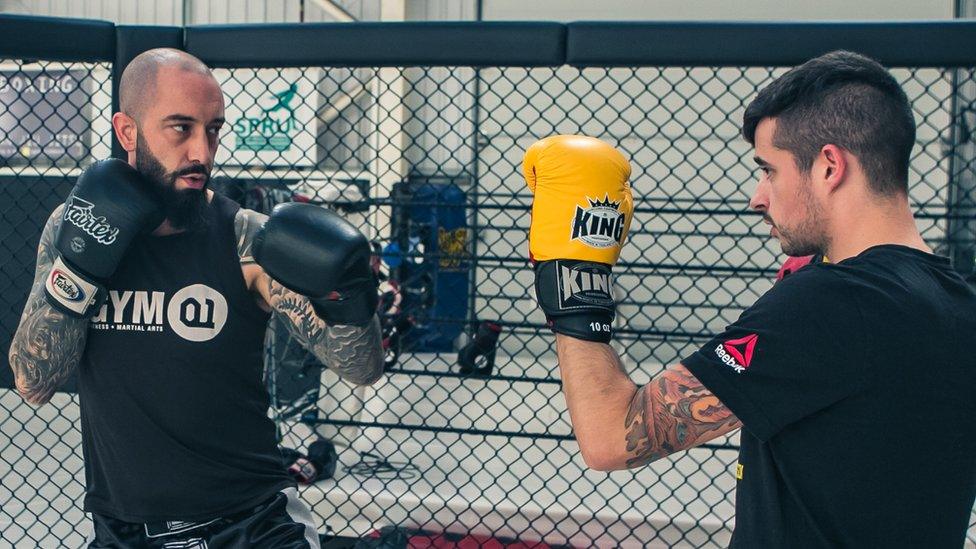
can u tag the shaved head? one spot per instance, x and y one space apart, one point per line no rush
138 85
171 112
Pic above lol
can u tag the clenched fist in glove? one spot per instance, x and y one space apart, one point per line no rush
315 252
580 217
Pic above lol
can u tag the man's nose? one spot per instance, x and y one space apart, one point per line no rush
760 199
198 151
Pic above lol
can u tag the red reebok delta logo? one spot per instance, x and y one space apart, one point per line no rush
737 353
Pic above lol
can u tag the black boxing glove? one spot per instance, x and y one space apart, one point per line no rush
110 205
315 252
483 344
319 464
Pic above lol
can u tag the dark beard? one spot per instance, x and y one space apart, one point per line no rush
185 209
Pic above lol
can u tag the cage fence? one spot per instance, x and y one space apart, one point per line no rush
425 160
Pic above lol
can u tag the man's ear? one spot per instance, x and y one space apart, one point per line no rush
833 166
126 130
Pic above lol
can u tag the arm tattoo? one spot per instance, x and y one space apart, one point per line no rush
673 412
48 344
355 353
246 225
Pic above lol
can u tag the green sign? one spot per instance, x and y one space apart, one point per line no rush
270 128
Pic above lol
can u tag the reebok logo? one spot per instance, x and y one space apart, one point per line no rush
78 212
601 225
737 353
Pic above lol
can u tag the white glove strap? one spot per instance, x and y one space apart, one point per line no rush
72 293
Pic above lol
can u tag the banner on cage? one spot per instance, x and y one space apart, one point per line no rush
271 117
45 117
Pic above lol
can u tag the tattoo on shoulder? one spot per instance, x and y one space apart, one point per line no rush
671 413
246 225
48 344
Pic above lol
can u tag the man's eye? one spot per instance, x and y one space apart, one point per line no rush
180 127
214 130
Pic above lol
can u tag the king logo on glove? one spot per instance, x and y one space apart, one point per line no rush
601 225
584 285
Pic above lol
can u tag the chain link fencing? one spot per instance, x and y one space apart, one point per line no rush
425 160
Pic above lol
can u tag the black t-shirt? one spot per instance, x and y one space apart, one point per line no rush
174 412
856 386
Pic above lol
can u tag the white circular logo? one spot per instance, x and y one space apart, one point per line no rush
78 245
197 312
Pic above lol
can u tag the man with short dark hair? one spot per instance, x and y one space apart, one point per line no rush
852 380
158 292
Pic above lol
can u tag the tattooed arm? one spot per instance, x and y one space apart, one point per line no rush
48 344
619 425
355 353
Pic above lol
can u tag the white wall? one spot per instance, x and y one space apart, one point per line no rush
132 12
170 12
787 10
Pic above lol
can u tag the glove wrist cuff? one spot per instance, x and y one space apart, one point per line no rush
577 297
72 292
589 327
354 308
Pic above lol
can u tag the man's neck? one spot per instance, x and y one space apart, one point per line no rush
888 222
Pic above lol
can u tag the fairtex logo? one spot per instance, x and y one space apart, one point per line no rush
601 225
78 212
65 287
737 353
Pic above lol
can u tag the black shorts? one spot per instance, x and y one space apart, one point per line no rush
283 521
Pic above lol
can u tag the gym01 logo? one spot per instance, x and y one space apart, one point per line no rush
601 225
197 312
737 353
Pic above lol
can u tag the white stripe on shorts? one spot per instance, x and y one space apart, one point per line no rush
300 513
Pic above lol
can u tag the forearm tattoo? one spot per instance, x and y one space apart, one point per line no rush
355 353
48 344
671 413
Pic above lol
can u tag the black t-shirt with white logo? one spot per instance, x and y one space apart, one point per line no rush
855 384
174 412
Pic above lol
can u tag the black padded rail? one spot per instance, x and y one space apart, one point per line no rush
379 44
56 39
131 40
676 43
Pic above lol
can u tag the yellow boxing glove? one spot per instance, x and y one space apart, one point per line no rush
581 214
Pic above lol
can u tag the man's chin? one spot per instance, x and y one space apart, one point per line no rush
191 214
798 251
